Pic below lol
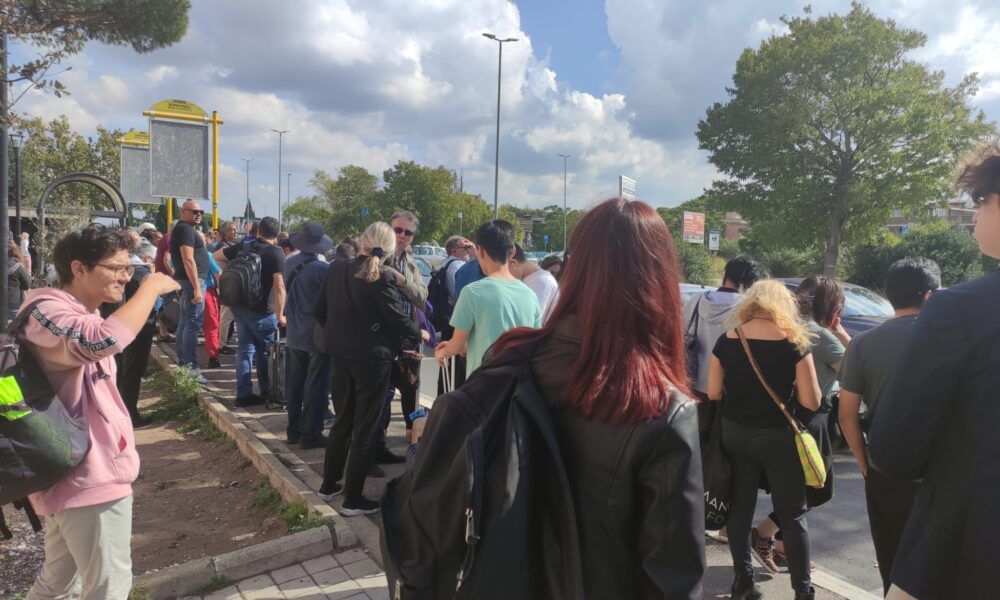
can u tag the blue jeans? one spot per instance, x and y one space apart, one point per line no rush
189 325
256 331
307 393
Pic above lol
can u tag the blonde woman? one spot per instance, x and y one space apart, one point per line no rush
367 324
755 434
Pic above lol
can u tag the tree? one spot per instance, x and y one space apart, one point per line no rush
673 216
426 192
830 127
954 250
61 28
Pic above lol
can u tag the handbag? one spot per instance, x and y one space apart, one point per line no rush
716 477
805 444
692 349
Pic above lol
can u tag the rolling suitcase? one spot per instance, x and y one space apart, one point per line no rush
276 373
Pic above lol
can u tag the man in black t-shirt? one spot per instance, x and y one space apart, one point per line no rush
257 326
190 263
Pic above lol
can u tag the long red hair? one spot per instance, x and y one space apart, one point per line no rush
621 280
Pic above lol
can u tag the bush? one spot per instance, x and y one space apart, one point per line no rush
729 249
790 263
696 264
953 250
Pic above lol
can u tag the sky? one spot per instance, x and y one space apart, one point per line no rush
618 85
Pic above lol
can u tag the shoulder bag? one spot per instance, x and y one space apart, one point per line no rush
805 444
692 347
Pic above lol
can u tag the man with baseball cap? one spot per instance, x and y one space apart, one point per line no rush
307 367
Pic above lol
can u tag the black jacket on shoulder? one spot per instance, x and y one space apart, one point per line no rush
536 524
938 421
366 321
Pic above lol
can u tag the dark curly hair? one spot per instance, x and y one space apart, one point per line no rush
979 173
90 246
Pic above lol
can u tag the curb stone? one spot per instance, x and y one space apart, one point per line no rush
284 481
179 580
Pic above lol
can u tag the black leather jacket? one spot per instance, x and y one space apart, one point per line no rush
637 489
362 320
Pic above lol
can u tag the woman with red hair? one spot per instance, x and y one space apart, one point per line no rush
610 363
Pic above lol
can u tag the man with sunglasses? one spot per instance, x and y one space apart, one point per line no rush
406 372
190 258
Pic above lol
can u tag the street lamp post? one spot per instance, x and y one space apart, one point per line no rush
248 161
16 138
280 132
565 157
496 166
288 191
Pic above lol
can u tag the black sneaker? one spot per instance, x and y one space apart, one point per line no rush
361 506
213 363
385 456
327 492
251 400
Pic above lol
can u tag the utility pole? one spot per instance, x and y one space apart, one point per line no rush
496 166
280 132
17 138
4 174
565 157
247 162
288 191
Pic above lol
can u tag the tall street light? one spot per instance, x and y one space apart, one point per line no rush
496 166
248 161
16 138
280 133
565 157
288 191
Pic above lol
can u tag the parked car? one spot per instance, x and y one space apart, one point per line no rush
690 290
425 269
434 255
863 308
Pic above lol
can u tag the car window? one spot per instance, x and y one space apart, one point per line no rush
425 269
862 302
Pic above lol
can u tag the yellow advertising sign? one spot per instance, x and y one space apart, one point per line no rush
136 138
180 107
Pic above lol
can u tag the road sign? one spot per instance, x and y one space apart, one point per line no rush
626 187
714 237
694 227
545 239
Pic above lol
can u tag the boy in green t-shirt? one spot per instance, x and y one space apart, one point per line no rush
489 307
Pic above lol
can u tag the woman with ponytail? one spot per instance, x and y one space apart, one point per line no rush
367 326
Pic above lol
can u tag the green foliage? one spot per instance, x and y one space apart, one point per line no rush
139 592
714 215
265 498
297 517
729 249
952 249
217 583
696 264
57 30
552 225
179 402
830 127
786 262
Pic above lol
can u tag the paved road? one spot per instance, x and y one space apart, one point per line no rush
839 535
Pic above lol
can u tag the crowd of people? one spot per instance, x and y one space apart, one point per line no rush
634 381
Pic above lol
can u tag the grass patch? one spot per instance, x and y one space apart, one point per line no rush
139 592
299 518
265 497
246 462
284 460
179 402
217 583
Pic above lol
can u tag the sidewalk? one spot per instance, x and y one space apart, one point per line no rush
269 426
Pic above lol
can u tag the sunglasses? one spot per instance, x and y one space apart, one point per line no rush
195 212
401 231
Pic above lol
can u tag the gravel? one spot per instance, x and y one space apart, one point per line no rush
21 557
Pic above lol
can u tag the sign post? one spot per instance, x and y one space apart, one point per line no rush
177 150
693 227
134 168
714 238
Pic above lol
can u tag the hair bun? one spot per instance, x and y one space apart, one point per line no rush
378 252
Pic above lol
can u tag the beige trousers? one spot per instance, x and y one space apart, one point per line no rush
88 554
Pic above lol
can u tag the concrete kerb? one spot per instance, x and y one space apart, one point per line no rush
179 580
284 481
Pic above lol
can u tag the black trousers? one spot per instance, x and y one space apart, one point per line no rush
753 451
358 388
307 393
889 503
132 367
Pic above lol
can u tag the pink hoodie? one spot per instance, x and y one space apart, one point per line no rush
76 349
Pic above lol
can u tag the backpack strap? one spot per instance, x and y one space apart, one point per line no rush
298 269
17 322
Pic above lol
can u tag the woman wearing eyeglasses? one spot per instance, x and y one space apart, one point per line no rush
88 514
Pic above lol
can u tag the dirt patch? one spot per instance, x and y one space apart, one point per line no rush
192 500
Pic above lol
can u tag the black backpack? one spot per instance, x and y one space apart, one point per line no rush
239 282
40 443
437 295
486 510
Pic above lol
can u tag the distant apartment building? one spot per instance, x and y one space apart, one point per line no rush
956 212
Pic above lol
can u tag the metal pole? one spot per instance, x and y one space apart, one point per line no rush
496 166
565 239
247 161
215 170
4 175
17 188
288 191
280 132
